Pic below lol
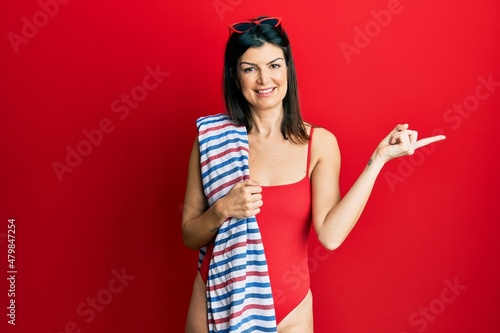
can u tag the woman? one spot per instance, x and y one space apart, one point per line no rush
294 178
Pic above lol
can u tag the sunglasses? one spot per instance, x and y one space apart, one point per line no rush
244 26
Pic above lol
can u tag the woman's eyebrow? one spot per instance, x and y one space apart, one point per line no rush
252 64
270 62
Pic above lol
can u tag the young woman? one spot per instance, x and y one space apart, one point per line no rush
293 183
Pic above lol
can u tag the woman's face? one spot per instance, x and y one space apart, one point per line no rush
262 75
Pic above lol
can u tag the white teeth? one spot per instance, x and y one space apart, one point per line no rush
266 91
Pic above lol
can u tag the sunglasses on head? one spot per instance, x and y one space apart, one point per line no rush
244 26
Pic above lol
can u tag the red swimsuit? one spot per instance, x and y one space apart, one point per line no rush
284 223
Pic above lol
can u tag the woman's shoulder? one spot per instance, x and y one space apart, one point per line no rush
324 146
321 135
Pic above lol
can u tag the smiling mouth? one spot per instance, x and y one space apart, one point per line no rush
265 91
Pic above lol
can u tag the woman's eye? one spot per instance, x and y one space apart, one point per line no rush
248 69
274 66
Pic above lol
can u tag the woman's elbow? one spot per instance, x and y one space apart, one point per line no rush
189 243
188 239
330 244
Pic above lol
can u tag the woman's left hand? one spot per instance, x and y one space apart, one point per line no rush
401 142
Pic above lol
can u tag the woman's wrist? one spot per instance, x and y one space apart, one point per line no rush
219 216
377 160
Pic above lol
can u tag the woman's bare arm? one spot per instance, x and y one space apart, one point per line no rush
334 218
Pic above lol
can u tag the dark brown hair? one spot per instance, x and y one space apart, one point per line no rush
292 126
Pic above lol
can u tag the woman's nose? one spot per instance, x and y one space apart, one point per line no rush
263 77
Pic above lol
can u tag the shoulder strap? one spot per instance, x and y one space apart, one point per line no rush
309 144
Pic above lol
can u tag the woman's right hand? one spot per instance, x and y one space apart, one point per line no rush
242 201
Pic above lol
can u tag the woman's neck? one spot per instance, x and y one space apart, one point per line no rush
267 123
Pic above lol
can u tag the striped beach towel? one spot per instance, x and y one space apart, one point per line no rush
239 297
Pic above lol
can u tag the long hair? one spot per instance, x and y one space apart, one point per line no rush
292 125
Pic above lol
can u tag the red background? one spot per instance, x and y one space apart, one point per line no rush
432 217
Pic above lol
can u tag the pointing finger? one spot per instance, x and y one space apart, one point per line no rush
426 141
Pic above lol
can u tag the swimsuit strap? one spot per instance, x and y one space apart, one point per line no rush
309 144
